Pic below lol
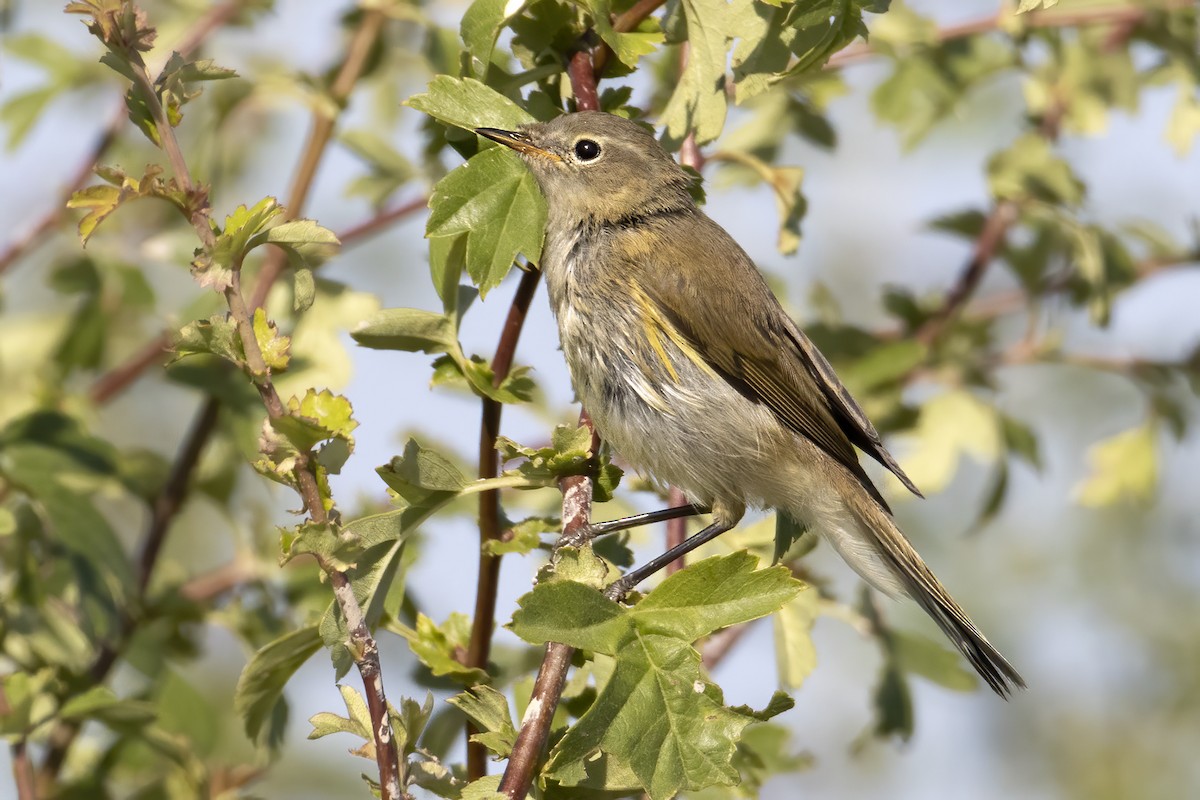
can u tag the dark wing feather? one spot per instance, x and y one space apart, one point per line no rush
747 337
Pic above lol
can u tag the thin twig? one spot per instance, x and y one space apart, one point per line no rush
1101 15
121 377
990 241
318 139
362 645
383 220
624 23
483 622
198 33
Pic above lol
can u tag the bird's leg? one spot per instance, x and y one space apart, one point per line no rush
593 530
618 589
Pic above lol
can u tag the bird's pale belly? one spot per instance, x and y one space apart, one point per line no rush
686 425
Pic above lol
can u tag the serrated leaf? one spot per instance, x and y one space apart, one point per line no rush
442 648
494 201
698 102
489 710
628 46
260 686
523 537
274 346
657 723
333 548
307 243
216 336
316 417
467 103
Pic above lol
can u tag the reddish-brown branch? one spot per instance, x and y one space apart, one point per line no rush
1122 16
623 24
552 675
676 528
990 240
576 512
483 623
380 222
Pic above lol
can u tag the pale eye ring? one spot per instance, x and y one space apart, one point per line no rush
587 150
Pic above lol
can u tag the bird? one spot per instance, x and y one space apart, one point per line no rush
693 372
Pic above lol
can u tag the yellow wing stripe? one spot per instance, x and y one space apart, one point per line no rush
656 326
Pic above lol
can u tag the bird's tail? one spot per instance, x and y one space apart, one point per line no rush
879 551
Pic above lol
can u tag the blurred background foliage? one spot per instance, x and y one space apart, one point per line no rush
987 220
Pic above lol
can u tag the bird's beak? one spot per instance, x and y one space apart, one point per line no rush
517 141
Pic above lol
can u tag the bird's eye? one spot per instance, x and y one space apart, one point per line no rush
587 150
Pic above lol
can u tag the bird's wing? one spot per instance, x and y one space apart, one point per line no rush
749 339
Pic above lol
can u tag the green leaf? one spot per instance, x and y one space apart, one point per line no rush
101 704
1123 468
698 102
410 329
333 548
931 660
629 46
488 709
951 425
216 336
260 687
304 291
656 724
443 648
569 453
233 242
275 347
422 469
494 201
1030 169
467 103
316 417
481 26
523 537
795 654
307 243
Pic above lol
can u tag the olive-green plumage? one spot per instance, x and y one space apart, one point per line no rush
692 370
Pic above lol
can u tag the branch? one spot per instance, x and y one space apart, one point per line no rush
204 27
362 645
990 241
576 513
483 622
319 135
120 377
1101 15
623 24
552 675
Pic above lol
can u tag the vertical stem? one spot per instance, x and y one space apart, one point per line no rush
483 622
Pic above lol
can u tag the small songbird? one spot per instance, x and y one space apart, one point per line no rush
693 372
